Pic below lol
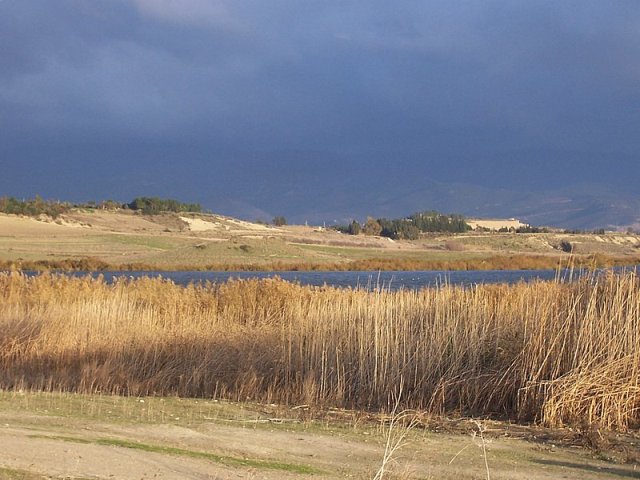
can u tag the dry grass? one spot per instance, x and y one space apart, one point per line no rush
126 241
556 353
472 261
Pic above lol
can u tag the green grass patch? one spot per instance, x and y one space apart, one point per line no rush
13 474
17 474
61 409
128 410
153 242
353 252
222 459
359 253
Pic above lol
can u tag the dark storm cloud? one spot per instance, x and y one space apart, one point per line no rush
478 91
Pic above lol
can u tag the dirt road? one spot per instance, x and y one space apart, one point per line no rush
105 438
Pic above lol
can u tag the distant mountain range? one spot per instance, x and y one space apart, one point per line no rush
319 192
576 207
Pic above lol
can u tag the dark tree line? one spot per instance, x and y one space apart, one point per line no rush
409 228
432 221
154 205
33 207
279 221
54 208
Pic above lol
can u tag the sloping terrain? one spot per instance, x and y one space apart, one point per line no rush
195 241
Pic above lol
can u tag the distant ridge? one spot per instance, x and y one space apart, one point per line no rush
583 207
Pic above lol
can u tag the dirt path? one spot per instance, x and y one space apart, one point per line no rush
98 442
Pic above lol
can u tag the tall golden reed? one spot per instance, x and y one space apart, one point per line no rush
553 352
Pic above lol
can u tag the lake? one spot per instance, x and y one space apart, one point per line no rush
393 280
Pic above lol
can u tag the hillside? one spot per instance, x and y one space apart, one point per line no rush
124 239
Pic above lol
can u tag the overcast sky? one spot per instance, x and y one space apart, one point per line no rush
115 98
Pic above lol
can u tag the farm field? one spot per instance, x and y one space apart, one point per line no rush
122 239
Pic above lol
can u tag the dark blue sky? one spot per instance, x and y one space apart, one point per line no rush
318 108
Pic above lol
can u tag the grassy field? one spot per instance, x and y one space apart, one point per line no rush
123 240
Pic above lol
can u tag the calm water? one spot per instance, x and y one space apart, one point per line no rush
373 279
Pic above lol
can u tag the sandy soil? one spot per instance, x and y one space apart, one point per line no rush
65 447
199 225
225 224
14 225
122 221
495 224
251 226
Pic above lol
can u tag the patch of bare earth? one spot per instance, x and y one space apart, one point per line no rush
122 221
13 225
62 447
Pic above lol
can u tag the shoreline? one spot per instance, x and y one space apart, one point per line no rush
497 262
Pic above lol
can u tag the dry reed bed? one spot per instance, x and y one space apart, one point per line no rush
557 353
474 261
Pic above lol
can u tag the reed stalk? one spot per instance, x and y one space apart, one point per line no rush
557 353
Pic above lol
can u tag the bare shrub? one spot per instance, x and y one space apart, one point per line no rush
453 246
